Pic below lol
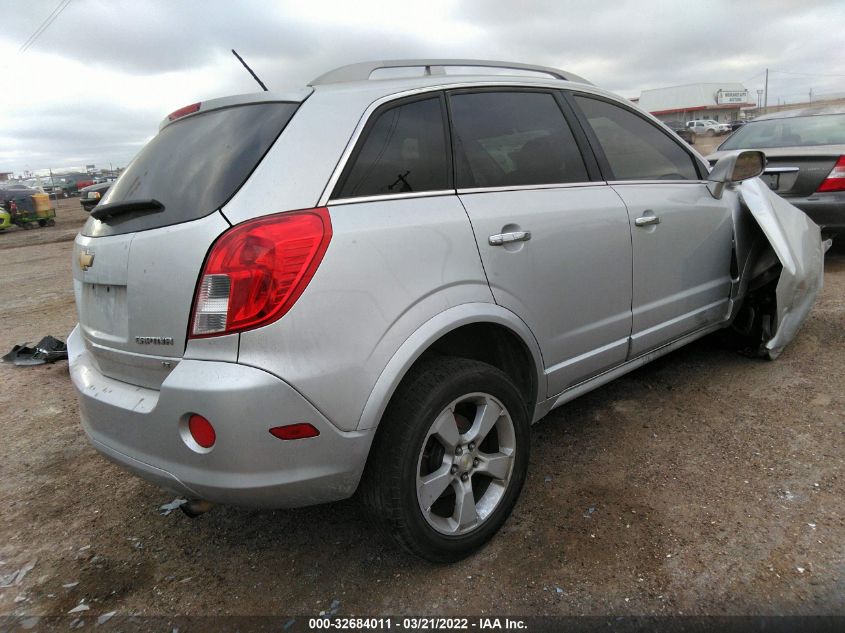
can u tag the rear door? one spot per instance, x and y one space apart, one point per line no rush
135 271
554 241
681 235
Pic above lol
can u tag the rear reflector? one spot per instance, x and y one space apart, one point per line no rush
257 270
294 431
202 431
835 180
188 109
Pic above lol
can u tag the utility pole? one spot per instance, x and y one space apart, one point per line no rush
811 95
766 92
53 186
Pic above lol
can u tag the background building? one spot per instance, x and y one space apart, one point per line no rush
719 101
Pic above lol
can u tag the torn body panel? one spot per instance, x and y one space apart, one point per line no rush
796 242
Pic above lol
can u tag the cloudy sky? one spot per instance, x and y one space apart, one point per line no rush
95 83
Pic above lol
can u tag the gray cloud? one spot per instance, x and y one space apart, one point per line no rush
624 46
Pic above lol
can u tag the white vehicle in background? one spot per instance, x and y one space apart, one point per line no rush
708 127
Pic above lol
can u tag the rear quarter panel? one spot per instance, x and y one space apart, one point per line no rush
391 266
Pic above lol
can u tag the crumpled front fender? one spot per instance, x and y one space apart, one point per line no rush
796 240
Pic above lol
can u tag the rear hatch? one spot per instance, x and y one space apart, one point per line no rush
137 259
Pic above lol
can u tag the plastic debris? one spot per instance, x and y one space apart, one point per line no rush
333 608
79 608
547 478
167 508
47 350
590 511
16 578
70 585
106 617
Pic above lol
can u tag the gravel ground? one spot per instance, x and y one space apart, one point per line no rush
703 483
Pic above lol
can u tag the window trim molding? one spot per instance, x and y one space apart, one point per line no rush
562 185
392 196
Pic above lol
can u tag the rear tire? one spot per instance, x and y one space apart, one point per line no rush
449 458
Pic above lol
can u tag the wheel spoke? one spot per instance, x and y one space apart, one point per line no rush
497 465
485 419
445 429
431 486
465 513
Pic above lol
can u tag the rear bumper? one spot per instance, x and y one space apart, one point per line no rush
142 430
825 209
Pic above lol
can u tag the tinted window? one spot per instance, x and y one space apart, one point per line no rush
513 138
635 149
194 166
404 150
827 129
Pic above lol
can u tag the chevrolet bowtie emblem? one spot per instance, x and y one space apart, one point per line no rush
86 260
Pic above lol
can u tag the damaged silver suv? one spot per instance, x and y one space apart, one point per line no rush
377 285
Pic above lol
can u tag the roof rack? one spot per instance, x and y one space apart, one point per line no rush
363 70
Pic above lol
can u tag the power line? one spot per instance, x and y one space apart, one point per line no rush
752 77
786 72
44 25
40 27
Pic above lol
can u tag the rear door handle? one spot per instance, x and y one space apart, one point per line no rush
647 220
505 238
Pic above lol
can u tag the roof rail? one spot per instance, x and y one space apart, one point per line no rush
363 70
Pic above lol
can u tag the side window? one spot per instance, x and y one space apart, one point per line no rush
506 139
635 149
404 150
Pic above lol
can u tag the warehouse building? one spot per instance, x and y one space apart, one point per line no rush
718 101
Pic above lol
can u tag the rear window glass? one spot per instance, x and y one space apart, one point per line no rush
403 151
822 129
194 166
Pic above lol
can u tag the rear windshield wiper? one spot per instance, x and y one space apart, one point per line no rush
103 211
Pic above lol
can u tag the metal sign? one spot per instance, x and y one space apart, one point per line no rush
731 96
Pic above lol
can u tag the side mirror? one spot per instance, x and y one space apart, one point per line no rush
735 168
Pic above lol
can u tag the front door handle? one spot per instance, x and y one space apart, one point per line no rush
647 220
505 238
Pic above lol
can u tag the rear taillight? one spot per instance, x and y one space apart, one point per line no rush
835 180
256 271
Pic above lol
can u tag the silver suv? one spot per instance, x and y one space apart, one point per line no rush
377 285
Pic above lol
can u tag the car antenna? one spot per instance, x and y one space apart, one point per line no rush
251 72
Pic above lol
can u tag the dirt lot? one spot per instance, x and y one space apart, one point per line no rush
704 483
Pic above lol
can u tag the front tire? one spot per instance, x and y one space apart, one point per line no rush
449 459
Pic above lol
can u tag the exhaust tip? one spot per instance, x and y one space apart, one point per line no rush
195 507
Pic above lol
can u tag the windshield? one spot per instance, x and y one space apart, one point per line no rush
193 166
822 129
